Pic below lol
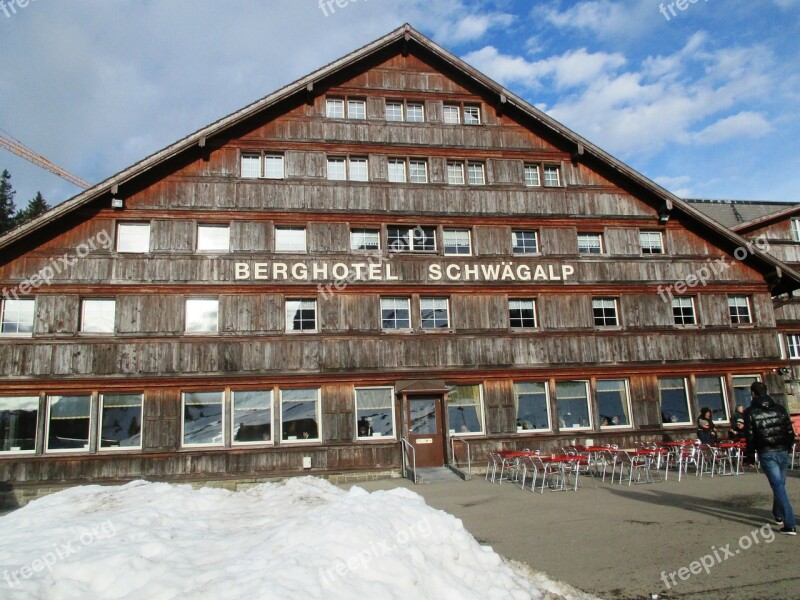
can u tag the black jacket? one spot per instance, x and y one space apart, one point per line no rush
767 427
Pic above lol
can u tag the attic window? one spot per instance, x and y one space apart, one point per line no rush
341 108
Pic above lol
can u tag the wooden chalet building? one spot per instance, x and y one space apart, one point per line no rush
392 248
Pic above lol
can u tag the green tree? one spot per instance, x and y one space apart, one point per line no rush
7 207
35 207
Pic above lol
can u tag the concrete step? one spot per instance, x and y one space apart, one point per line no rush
436 475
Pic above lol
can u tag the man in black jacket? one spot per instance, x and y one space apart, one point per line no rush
768 431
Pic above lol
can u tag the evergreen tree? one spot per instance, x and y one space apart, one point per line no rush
6 202
35 207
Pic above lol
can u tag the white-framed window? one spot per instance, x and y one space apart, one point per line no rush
397 170
472 115
451 114
590 243
402 238
273 166
17 317
68 423
337 169
683 312
251 417
251 165
572 404
213 238
394 111
365 239
418 171
711 394
290 239
795 228
395 314
120 421
532 176
521 313
525 242
334 108
604 311
739 309
203 418
457 242
202 315
374 412
133 237
268 166
552 176
19 421
465 414
98 315
352 168
613 403
358 169
651 242
300 415
434 313
674 401
741 389
793 343
301 315
533 406
415 112
476 174
455 172
356 109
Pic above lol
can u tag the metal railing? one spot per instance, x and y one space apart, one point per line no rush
453 453
406 447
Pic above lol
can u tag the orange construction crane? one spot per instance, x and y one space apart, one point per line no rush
18 148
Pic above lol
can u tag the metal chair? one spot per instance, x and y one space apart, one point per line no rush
637 464
546 470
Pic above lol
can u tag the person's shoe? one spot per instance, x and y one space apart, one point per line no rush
788 530
779 521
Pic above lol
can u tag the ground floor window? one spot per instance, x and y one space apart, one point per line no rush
68 422
300 415
121 421
533 407
674 401
465 408
613 402
573 405
711 394
19 417
741 389
202 418
374 412
251 421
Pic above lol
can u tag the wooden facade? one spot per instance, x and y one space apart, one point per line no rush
151 352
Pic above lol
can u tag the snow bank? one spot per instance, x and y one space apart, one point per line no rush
302 538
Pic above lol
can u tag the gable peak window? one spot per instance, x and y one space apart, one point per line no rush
552 176
17 317
341 108
348 168
133 237
255 165
739 310
651 242
532 176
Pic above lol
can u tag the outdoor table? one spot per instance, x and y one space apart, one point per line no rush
739 447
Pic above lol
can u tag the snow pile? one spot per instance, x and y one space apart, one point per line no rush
302 538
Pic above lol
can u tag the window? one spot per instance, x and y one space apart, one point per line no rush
17 317
472 115
120 421
356 109
456 242
273 166
213 238
741 389
533 407
19 417
475 174
674 401
202 315
133 237
532 176
451 114
590 243
525 242
455 173
394 111
711 394
683 311
359 171
651 242
572 402
365 239
203 418
415 112
68 423
411 239
354 169
418 171
605 312
98 316
251 165
300 415
465 408
522 314
290 239
793 341
434 313
551 176
739 309
613 403
795 226
334 108
251 421
374 412
337 169
397 170
301 315
395 313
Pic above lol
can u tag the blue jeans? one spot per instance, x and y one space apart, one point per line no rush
774 465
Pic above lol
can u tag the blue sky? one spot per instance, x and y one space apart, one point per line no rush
705 102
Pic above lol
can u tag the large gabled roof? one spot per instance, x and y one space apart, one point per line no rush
407 36
743 215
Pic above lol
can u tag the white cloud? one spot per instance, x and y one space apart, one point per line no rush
604 18
472 27
743 125
677 185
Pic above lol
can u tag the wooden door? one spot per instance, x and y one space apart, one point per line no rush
425 420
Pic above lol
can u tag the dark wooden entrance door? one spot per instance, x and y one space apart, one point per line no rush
426 429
